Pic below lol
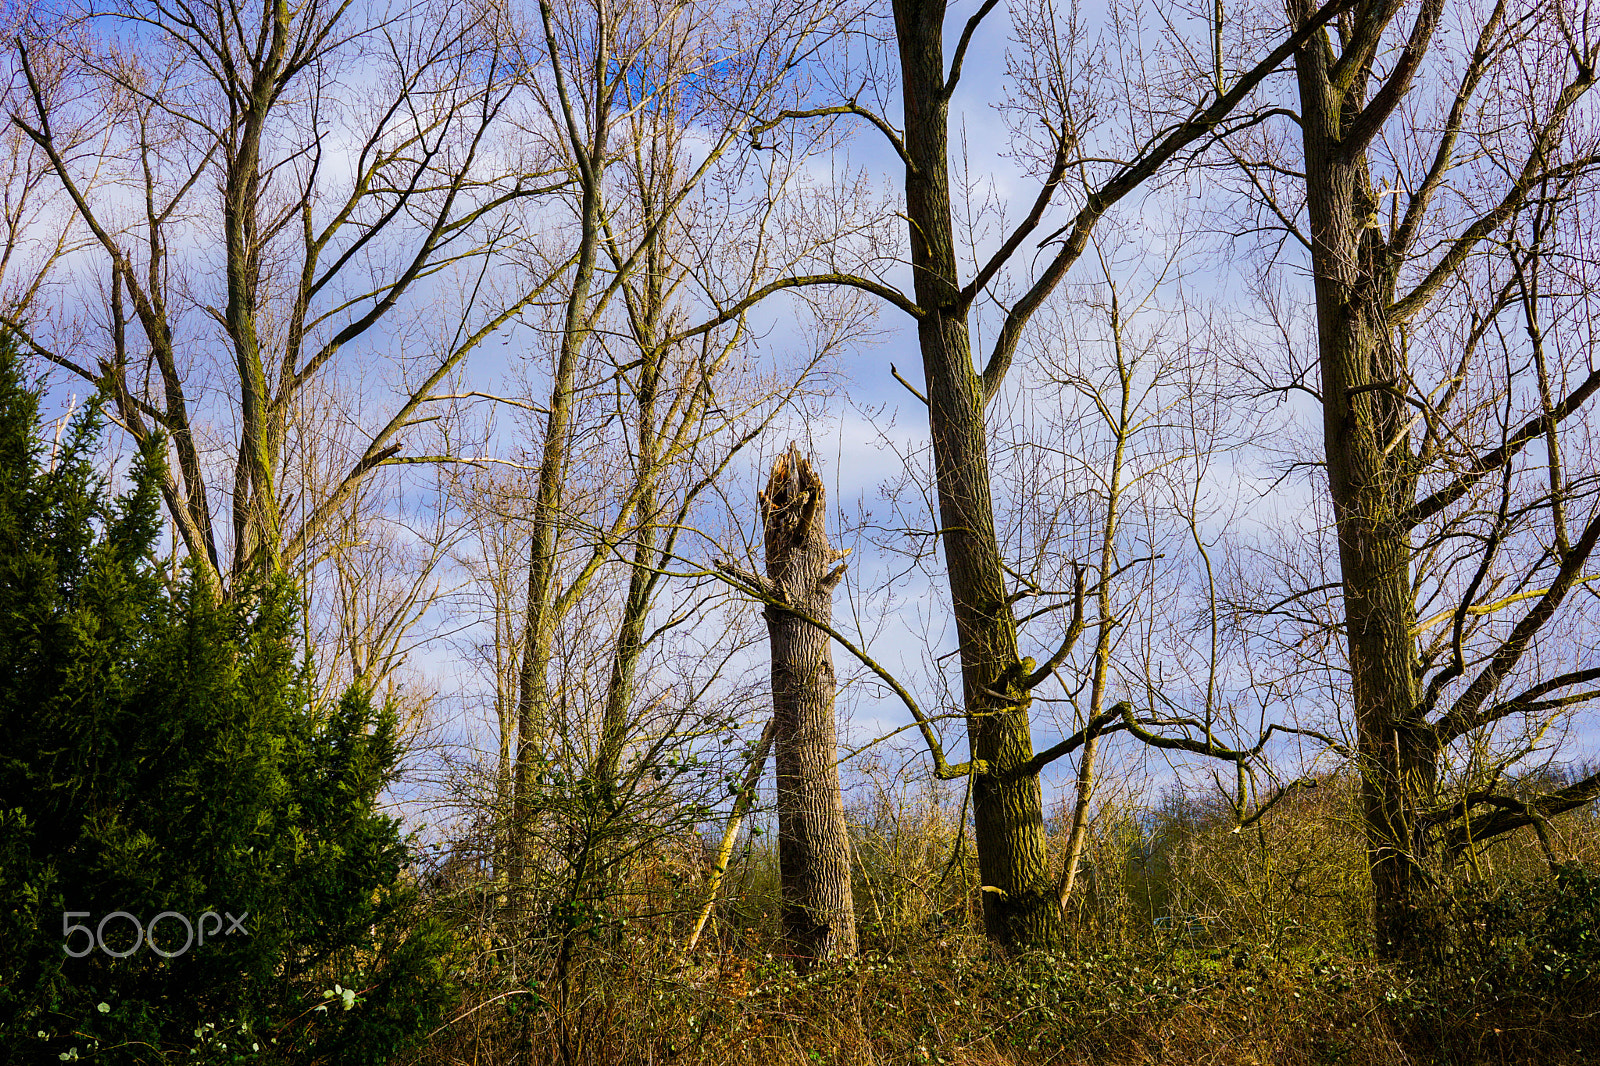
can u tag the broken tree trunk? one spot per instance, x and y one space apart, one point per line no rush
813 843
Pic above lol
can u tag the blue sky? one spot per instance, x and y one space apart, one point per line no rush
864 435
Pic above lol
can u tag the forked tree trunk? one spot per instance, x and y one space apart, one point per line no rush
1372 481
1020 906
813 844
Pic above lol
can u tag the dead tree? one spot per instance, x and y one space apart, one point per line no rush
813 844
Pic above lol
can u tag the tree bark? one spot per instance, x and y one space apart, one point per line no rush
1019 901
813 842
1374 465
1371 479
533 710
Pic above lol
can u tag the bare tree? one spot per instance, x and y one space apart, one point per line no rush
491 503
660 162
35 231
1432 224
1077 161
300 261
1108 494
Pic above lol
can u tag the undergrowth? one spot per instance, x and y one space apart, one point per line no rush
955 1002
1189 945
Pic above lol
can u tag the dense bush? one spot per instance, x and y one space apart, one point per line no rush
164 753
1532 942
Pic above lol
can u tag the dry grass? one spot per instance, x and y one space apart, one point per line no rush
951 1002
1192 946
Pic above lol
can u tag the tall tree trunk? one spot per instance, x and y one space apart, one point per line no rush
533 712
1106 617
1019 901
813 843
647 563
1371 481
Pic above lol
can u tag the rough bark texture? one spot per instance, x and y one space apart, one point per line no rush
647 564
1363 242
1371 479
813 843
1019 899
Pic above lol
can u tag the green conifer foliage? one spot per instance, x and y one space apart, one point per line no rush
160 752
